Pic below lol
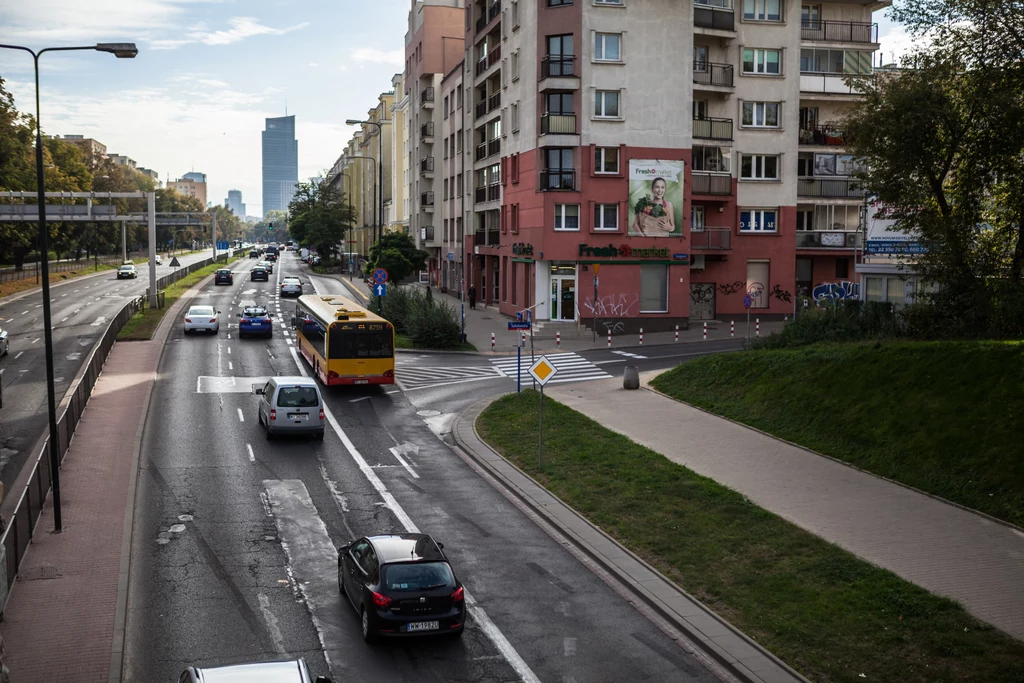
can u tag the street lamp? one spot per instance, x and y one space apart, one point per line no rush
366 158
121 51
380 167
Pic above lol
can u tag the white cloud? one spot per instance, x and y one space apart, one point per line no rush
241 28
363 55
895 44
58 21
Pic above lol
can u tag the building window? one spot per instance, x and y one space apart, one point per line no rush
804 220
606 217
515 14
835 61
607 2
842 269
606 160
757 61
459 98
762 10
567 216
558 3
559 174
697 218
758 220
759 167
446 106
515 65
653 288
608 47
712 159
810 16
606 104
757 282
761 114
458 142
559 103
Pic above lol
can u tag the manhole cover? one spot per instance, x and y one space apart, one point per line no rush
36 573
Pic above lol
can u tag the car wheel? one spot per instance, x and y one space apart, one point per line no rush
187 331
364 619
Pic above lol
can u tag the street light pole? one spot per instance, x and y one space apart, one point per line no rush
121 51
373 179
380 167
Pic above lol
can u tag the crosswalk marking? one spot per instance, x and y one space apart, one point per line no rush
627 353
410 377
571 368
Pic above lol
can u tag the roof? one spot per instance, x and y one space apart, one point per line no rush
406 547
332 308
295 379
263 672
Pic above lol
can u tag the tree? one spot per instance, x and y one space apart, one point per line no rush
412 259
319 217
17 172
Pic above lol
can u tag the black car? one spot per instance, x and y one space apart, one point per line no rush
224 276
259 273
401 585
254 253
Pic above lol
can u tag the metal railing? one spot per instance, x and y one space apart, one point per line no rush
427 130
493 146
488 60
717 14
558 124
711 73
826 30
427 165
821 135
488 193
558 179
33 269
554 66
711 238
711 183
829 239
427 198
837 188
712 129
427 96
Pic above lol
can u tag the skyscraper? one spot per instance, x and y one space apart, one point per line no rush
280 163
234 202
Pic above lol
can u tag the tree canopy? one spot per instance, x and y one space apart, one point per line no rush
319 218
396 253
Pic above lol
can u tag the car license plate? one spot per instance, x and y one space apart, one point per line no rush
362 381
298 416
255 324
423 626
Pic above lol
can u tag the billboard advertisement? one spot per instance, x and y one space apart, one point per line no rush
655 198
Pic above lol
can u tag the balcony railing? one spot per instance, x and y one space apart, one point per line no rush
427 165
494 10
712 129
554 66
822 135
488 60
558 179
427 233
481 108
711 183
829 239
493 146
710 73
481 152
427 130
490 193
711 238
718 14
558 124
427 97
836 188
427 198
830 83
839 31
494 101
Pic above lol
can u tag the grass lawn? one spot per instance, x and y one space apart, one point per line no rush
825 612
944 417
403 342
143 324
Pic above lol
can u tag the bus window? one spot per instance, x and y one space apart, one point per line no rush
362 344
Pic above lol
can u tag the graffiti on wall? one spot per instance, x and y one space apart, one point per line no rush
613 326
836 291
782 294
613 306
728 289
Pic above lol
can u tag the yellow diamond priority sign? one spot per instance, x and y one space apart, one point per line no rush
543 370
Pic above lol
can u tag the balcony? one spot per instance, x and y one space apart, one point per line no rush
827 31
488 60
427 201
558 124
712 129
427 166
558 179
714 14
427 234
486 106
821 136
487 17
487 149
831 188
712 74
831 239
490 193
427 98
557 66
489 238
828 84
711 238
427 131
711 184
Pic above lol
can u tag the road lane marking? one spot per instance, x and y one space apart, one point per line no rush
38 305
35 340
399 458
272 625
19 355
252 456
63 320
24 312
229 350
231 366
361 398
241 418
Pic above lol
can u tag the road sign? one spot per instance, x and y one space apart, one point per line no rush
597 268
174 263
380 276
223 246
543 370
380 289
518 325
748 301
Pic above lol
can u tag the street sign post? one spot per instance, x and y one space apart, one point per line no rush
521 325
380 278
748 301
543 370
380 290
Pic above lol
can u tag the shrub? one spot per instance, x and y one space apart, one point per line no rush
428 322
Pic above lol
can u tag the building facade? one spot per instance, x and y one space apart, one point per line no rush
93 149
190 188
396 209
280 163
235 203
122 160
446 261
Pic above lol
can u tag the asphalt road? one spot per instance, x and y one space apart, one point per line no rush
233 555
79 310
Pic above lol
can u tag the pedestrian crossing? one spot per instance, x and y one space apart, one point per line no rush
571 367
409 377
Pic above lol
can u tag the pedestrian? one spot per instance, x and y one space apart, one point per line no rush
472 296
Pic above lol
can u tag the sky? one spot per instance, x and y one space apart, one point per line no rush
209 72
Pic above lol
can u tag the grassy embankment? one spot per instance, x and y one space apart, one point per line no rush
822 610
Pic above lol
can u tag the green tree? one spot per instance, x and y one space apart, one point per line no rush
413 259
17 172
319 217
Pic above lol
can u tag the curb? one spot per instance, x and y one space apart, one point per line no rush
714 638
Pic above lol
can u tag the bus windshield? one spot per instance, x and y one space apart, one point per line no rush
360 344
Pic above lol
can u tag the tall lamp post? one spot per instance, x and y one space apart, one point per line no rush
121 51
380 169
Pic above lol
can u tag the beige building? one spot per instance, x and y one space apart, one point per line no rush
93 149
191 188
396 208
122 160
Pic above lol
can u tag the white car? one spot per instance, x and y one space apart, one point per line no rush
202 319
159 261
5 343
291 286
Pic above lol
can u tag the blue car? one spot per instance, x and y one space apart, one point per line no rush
255 320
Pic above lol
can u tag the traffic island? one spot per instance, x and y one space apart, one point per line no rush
825 612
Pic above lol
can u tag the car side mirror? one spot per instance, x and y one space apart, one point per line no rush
344 548
256 389
440 545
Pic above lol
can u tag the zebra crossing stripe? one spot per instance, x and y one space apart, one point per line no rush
571 368
630 355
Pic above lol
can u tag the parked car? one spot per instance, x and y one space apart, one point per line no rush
159 261
401 585
127 271
202 319
224 276
268 265
291 286
315 261
290 405
290 671
5 343
255 320
259 273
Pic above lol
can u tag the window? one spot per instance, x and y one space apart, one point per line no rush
608 47
805 165
758 220
761 114
560 46
606 160
515 14
808 118
607 2
711 159
762 10
515 116
700 109
804 220
559 103
810 16
700 58
835 61
515 65
560 173
761 61
459 99
842 269
567 216
558 3
606 217
458 141
697 218
757 282
606 104
445 106
759 167
653 288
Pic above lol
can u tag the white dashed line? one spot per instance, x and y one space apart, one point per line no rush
19 355
63 320
241 418
231 365
35 340
229 350
24 312
252 456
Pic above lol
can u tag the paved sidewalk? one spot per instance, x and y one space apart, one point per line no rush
60 623
938 546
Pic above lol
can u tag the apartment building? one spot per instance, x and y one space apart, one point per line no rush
189 187
396 209
446 261
648 163
373 142
347 176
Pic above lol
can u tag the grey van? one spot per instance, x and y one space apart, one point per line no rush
290 405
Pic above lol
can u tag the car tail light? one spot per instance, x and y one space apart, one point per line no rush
389 373
273 414
188 320
321 413
381 600
267 319
459 595
213 320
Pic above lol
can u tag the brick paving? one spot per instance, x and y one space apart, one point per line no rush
938 546
62 629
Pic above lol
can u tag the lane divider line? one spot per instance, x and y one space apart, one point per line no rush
241 418
252 456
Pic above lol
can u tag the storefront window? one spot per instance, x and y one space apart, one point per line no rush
896 291
653 288
873 289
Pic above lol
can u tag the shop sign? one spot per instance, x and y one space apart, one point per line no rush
522 249
624 251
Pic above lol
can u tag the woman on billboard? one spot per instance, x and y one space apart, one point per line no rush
655 215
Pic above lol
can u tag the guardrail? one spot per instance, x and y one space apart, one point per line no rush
10 274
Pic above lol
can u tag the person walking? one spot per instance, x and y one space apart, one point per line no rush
472 296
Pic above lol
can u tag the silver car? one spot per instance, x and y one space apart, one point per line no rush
127 271
291 286
290 405
292 671
202 319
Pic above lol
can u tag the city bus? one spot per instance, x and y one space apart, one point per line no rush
343 342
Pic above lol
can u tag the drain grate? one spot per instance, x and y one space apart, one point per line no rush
36 573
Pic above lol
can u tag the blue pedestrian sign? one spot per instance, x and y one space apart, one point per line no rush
223 246
380 276
518 325
748 301
380 289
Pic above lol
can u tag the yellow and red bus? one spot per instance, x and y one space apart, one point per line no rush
343 342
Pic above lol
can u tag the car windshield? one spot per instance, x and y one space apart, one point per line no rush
297 397
254 311
127 267
418 576
291 280
224 272
200 310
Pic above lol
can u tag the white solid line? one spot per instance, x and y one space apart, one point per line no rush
393 391
19 355
39 305
35 340
252 456
399 458
606 362
231 365
229 350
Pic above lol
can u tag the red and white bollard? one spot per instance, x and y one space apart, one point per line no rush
558 340
609 339
641 336
492 341
524 339
757 327
732 328
705 331
677 332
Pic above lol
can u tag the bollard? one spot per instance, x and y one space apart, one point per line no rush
641 336
492 341
524 339
757 327
558 340
705 331
609 339
732 328
631 377
677 332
